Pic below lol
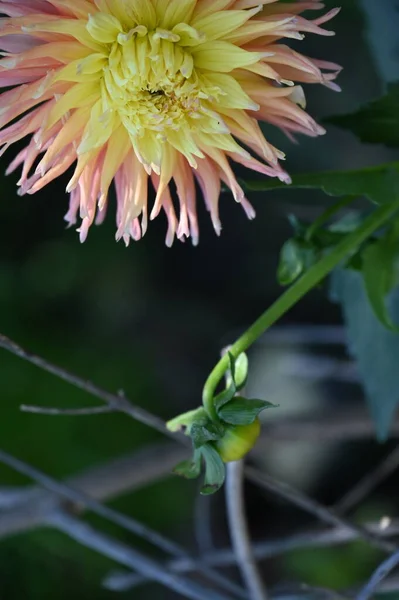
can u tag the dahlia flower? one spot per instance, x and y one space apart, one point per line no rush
166 93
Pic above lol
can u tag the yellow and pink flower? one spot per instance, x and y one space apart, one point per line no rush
160 92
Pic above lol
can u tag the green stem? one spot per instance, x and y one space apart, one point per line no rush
327 214
293 294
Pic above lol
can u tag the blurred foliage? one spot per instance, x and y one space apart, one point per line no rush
379 184
335 568
377 122
374 346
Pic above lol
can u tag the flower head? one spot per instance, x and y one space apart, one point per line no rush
160 92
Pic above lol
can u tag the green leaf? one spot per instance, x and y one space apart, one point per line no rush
241 411
375 348
225 396
377 122
214 470
190 469
378 271
241 371
295 257
379 184
201 434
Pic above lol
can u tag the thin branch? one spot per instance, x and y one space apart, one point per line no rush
369 482
128 523
79 498
239 531
353 425
329 425
10 497
100 483
69 412
303 334
121 581
115 401
378 576
306 592
389 585
107 546
323 513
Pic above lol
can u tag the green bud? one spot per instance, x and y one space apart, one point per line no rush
237 441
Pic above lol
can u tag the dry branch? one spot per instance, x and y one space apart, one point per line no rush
116 402
283 490
120 581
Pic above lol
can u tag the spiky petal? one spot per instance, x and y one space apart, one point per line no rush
146 93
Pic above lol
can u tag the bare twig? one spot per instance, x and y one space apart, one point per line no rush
79 498
115 401
337 427
306 592
90 538
323 513
368 483
239 531
119 581
128 523
389 585
68 412
378 576
101 483
329 425
10 497
303 334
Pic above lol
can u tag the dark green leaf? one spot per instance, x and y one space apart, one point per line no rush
379 184
296 256
190 469
378 271
241 411
214 470
375 348
225 396
377 122
298 226
201 434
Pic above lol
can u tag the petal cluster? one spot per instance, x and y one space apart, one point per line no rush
153 99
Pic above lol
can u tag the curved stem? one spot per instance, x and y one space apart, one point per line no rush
293 294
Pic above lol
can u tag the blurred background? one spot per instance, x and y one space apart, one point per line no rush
151 321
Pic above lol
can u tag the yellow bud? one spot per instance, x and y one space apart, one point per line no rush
238 441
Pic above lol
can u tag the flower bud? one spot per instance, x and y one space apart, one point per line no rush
237 441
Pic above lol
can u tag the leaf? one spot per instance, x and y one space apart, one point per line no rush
295 257
378 271
375 348
214 470
225 396
377 122
201 434
241 411
379 184
190 469
241 371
